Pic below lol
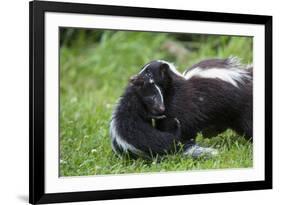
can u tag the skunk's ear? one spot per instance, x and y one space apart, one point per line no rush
136 80
164 70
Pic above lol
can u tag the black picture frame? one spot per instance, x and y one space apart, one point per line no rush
37 10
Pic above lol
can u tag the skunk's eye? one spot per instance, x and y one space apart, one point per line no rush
151 81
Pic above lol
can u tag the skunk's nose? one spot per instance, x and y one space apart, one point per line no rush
162 108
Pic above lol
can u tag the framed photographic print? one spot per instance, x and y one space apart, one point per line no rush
140 102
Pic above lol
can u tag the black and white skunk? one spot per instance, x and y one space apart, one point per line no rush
131 128
210 97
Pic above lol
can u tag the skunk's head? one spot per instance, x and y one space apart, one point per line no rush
156 71
151 82
161 72
150 95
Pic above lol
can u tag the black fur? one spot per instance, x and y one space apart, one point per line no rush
207 105
132 122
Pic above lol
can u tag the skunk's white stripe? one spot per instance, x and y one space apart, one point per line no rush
171 66
121 142
160 93
230 75
189 74
144 68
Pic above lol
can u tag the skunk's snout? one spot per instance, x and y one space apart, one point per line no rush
162 108
158 110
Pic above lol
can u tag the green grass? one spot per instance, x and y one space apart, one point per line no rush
93 74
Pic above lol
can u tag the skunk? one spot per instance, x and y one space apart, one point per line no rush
131 128
210 97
